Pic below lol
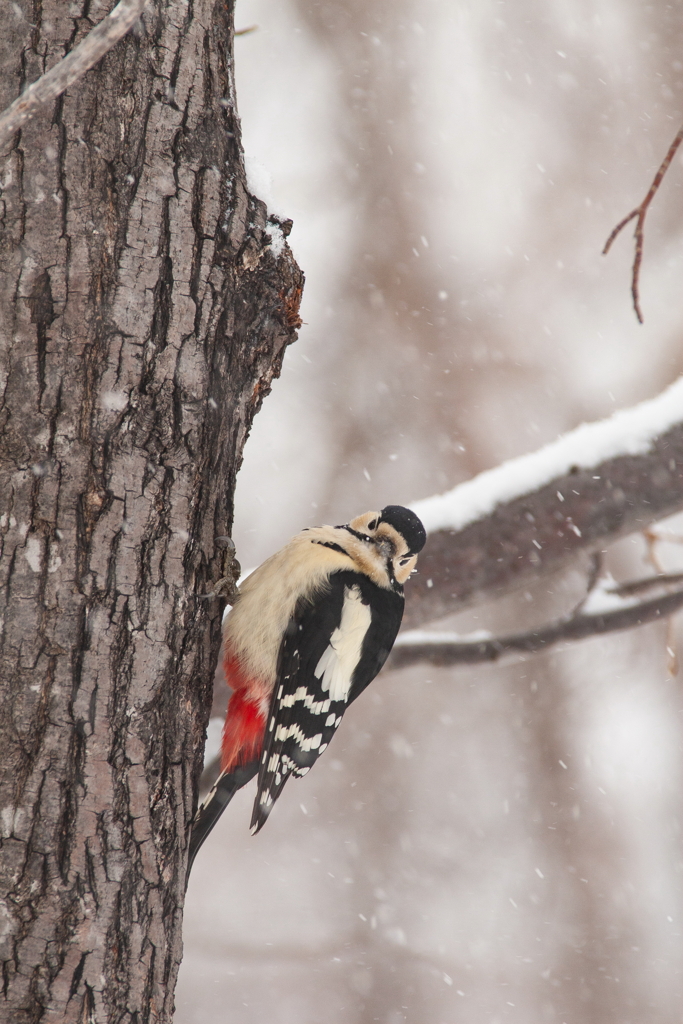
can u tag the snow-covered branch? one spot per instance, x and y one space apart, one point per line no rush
605 611
55 81
532 515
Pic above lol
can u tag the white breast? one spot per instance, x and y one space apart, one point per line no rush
254 629
336 666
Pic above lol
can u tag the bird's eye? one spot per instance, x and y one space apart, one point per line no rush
404 561
372 525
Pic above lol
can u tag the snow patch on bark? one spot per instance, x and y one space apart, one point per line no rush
115 400
33 553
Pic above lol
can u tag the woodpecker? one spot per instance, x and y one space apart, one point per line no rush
310 628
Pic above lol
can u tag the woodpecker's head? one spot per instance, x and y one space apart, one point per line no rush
396 535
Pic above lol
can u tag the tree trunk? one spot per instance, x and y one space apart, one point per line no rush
145 313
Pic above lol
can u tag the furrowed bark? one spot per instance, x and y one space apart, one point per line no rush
144 316
538 533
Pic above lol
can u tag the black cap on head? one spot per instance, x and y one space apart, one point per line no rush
408 525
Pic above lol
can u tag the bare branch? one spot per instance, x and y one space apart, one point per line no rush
638 586
55 81
575 627
540 532
640 213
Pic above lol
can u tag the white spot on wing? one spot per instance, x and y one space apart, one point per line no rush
336 666
285 732
308 701
299 694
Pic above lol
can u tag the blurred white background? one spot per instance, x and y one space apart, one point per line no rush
453 169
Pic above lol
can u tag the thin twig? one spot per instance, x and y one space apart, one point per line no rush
662 579
665 537
671 649
640 212
651 541
576 627
55 81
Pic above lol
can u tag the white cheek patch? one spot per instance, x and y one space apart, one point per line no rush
338 662
403 572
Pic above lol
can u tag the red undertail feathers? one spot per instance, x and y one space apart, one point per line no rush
245 721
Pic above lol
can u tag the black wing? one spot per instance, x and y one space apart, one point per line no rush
387 612
335 644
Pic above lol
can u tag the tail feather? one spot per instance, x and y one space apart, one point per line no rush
218 799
